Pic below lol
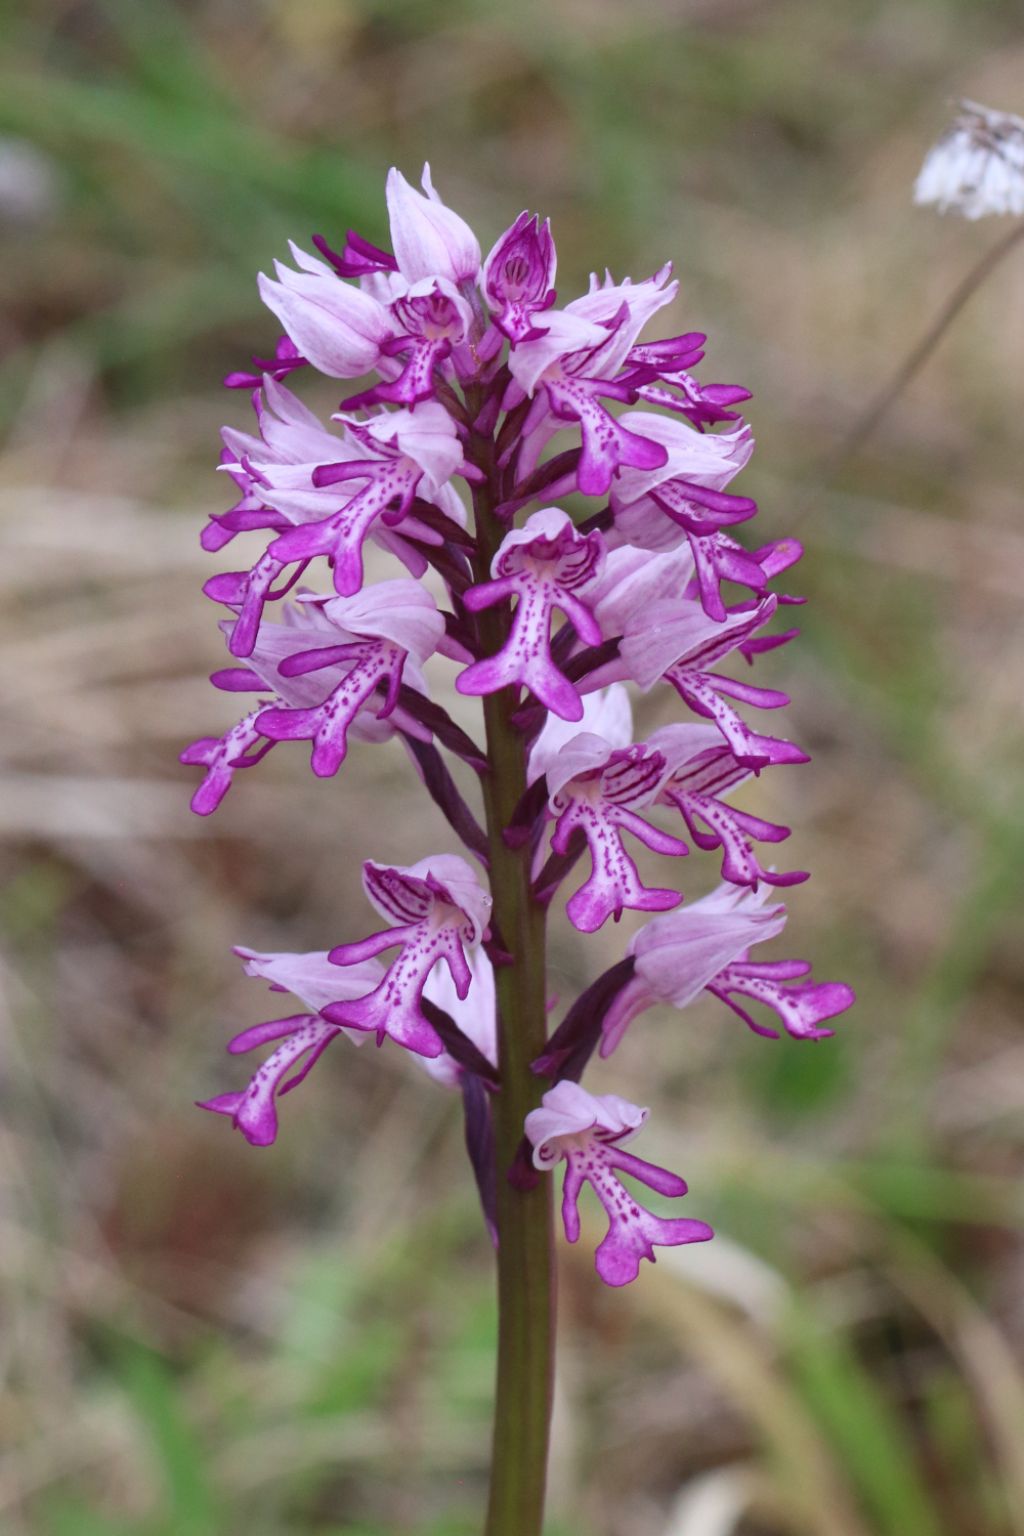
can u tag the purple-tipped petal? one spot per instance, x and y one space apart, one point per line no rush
220 756
607 444
518 277
803 1009
253 1112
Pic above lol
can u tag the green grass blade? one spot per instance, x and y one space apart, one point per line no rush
190 1503
864 1428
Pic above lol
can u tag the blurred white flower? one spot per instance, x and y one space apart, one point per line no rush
977 167
29 183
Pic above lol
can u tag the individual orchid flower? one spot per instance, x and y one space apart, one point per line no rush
686 499
691 458
589 1131
404 451
705 948
340 329
305 692
518 278
387 624
696 503
429 239
545 565
441 908
315 982
573 365
432 318
347 331
701 768
274 471
279 472
677 642
597 785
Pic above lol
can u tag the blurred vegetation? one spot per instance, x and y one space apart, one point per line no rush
199 1339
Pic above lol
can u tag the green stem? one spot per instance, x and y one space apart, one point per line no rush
526 1295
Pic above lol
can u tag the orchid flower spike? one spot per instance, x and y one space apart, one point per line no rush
423 524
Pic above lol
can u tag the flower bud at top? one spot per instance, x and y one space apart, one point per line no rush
429 239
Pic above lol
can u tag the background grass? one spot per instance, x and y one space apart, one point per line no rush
200 1339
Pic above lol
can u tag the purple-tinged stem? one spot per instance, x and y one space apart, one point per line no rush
526 1291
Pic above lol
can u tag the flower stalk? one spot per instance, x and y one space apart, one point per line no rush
974 171
523 1215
